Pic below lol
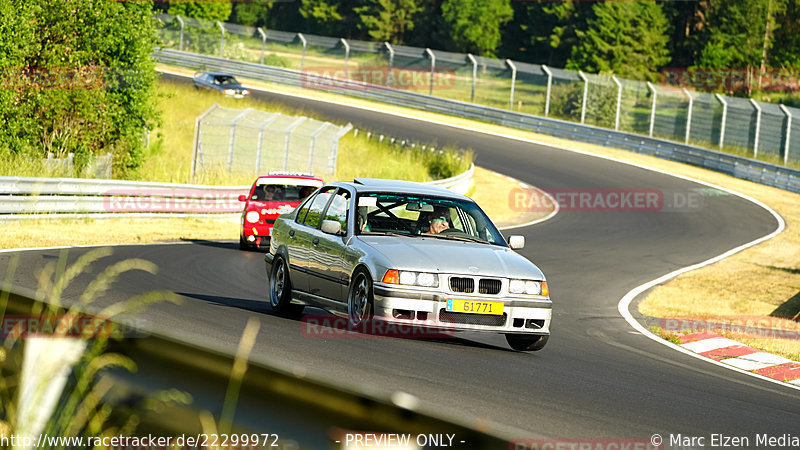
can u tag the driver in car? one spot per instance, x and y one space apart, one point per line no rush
438 224
438 221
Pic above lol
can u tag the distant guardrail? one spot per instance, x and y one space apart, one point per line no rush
746 168
28 197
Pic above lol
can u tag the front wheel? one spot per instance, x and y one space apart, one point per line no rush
526 342
359 299
280 291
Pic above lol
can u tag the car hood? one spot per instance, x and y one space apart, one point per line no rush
450 256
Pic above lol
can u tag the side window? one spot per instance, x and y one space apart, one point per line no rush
338 210
314 216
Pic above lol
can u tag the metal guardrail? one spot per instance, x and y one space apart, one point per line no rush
746 168
75 197
301 411
24 197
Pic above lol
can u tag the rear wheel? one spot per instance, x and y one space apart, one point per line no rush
359 298
526 342
243 245
280 291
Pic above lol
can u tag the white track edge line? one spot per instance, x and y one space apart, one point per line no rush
626 300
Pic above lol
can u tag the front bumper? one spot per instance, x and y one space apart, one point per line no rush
261 234
428 308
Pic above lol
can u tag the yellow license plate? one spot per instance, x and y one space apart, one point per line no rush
475 306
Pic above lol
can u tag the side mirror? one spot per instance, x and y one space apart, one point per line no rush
331 227
242 198
516 242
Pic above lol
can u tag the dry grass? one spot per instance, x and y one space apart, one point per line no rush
760 281
64 232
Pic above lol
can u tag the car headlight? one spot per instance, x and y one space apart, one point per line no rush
529 287
423 279
229 91
252 216
245 92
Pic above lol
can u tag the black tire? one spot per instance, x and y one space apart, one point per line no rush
526 342
359 299
280 291
243 245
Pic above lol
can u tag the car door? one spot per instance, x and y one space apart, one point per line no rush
327 276
299 245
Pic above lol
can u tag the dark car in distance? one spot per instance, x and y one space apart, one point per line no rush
224 83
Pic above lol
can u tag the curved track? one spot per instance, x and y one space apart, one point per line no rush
597 377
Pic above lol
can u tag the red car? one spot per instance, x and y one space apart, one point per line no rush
270 196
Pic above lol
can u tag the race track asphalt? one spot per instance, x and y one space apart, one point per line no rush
596 378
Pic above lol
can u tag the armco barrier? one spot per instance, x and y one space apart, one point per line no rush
301 411
23 197
741 167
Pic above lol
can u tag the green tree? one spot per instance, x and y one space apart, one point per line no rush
474 25
786 50
544 32
215 10
740 35
82 78
254 13
628 39
388 20
688 20
330 17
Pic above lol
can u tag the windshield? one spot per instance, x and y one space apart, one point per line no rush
281 192
226 80
425 216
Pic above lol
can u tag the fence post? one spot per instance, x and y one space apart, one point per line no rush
196 149
688 115
474 75
260 146
222 37
549 87
232 141
724 118
653 107
513 82
585 94
335 149
346 56
433 67
758 126
311 145
391 63
263 42
619 101
287 140
180 45
788 134
303 56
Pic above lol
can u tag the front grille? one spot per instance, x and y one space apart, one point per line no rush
489 320
458 284
489 286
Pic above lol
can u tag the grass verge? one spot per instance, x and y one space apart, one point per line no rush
169 158
169 155
762 282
